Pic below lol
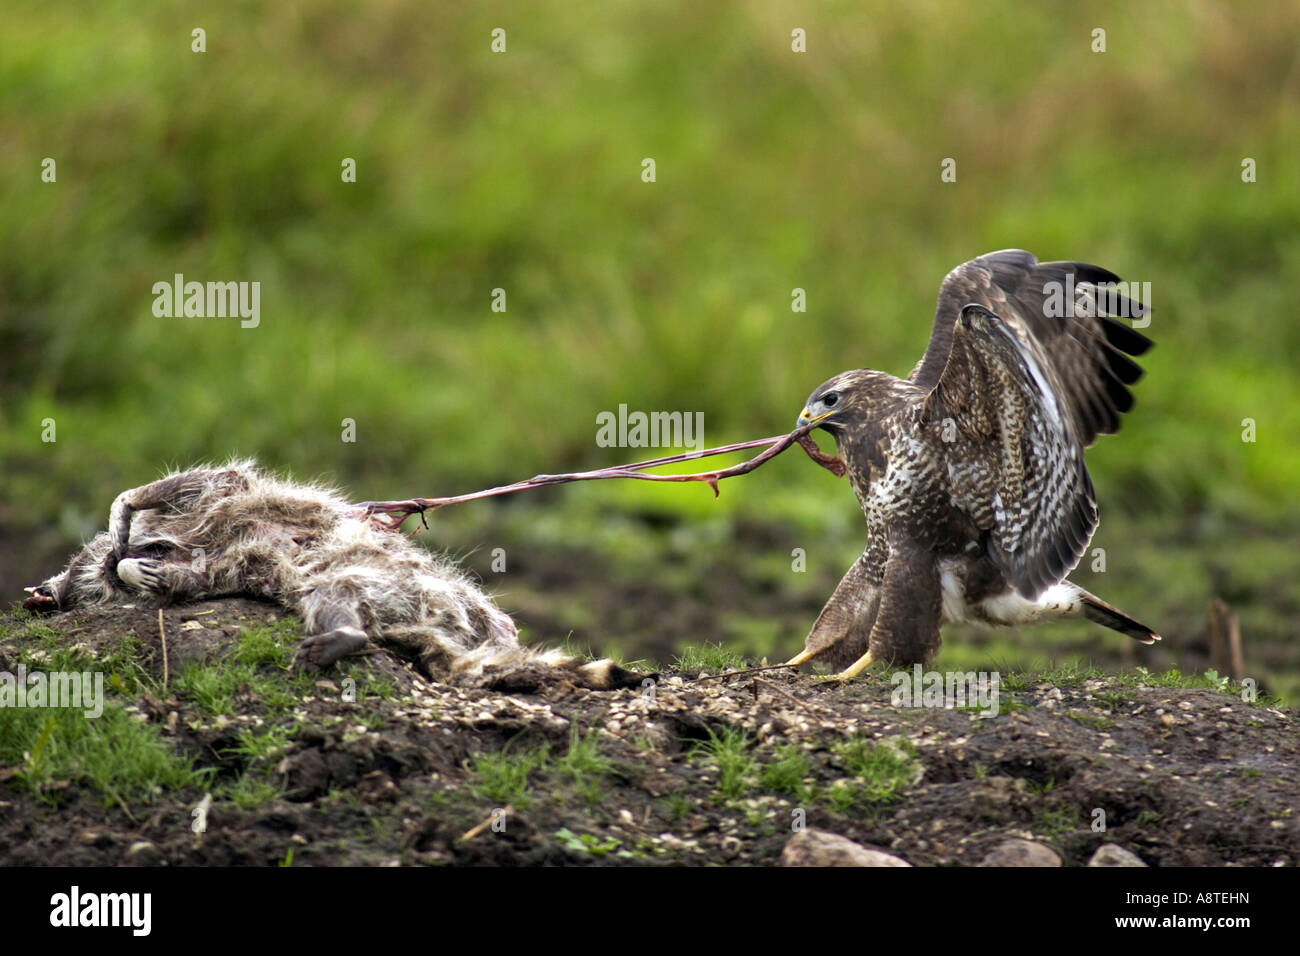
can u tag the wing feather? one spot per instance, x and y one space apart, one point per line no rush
1083 352
1016 464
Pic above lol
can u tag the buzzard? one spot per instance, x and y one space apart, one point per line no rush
970 471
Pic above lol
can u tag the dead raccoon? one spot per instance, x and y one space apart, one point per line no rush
218 532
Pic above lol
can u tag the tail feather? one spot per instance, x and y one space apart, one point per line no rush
1099 612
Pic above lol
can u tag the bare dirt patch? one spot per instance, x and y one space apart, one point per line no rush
700 771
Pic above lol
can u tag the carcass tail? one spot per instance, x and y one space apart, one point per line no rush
525 669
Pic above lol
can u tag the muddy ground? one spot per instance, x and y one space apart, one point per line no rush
701 771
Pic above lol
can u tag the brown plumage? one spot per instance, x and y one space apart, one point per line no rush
970 472
234 530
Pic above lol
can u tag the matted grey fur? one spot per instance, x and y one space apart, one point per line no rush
235 530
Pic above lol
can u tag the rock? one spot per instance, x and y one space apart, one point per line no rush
1112 854
144 853
819 848
1020 853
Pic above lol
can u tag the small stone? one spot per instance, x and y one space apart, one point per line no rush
1019 852
1112 854
819 848
144 853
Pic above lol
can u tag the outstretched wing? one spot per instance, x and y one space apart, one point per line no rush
1063 310
1013 451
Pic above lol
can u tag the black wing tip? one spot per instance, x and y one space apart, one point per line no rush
1082 272
1125 338
1122 367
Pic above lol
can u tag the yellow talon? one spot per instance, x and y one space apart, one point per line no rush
856 668
803 657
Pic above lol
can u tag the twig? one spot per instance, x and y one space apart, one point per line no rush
480 827
784 693
163 634
398 511
742 673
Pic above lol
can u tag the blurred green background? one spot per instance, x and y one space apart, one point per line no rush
522 170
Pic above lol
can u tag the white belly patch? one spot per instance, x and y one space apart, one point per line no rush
1009 608
954 596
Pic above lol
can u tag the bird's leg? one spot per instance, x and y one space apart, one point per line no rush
906 625
802 658
841 632
856 668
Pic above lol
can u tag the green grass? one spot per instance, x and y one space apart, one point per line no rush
677 805
584 766
1091 721
730 752
787 773
259 666
1112 700
45 647
713 658
504 778
1056 821
1208 680
251 789
262 744
127 761
590 843
212 688
1146 818
515 774
130 761
270 644
875 772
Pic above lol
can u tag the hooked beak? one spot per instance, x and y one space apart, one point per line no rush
806 417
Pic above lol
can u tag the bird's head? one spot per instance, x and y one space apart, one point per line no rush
838 403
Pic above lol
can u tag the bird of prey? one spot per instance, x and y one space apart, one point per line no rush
970 471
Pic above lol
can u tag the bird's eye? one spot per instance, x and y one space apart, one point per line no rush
829 399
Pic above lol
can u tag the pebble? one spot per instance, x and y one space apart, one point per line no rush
1019 852
814 847
1112 854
